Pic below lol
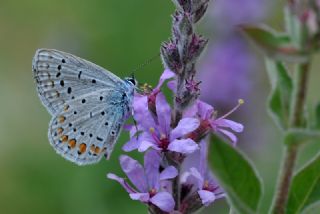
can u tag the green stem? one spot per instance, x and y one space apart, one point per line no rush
285 180
299 95
232 211
296 120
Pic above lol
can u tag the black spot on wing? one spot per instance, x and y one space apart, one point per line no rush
79 74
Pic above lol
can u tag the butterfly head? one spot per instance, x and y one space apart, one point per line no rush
132 81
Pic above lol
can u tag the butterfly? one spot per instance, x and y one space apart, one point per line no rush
88 104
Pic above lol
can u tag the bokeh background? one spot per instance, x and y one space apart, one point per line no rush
120 35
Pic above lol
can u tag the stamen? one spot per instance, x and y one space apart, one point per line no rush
206 184
145 89
151 129
240 102
163 136
152 192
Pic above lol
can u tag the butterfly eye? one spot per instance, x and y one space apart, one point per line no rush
132 80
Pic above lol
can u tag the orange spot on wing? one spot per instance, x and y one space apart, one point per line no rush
61 119
64 138
60 130
92 148
72 143
97 150
82 148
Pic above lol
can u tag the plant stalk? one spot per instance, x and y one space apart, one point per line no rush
296 120
177 189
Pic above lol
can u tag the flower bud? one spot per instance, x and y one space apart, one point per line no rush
170 57
190 94
197 45
192 203
182 24
182 31
195 7
184 5
198 8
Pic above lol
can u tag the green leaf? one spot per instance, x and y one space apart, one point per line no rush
315 195
236 176
281 90
305 187
295 28
317 117
274 45
312 209
300 136
312 117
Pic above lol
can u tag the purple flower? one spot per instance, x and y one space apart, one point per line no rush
147 180
209 122
154 131
200 178
152 94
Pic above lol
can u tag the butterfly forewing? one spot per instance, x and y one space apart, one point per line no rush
61 76
88 104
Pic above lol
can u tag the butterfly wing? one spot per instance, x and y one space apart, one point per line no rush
88 105
83 136
61 76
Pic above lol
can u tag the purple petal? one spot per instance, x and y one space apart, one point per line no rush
163 113
185 126
134 172
188 179
131 145
168 173
230 135
190 161
166 185
167 74
204 110
184 146
207 197
145 145
124 184
143 197
151 165
141 112
184 177
164 201
128 127
203 157
136 140
237 127
133 130
172 85
196 174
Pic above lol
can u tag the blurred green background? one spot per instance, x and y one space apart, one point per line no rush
118 35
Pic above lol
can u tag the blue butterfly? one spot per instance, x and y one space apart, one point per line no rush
88 104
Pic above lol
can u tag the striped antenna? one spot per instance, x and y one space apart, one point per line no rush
146 63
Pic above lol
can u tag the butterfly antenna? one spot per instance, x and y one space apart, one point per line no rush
145 63
136 126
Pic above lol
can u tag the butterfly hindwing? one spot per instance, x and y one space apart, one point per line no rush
86 136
